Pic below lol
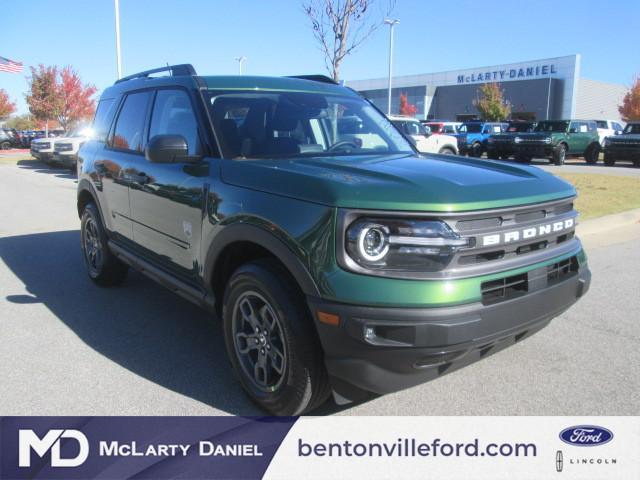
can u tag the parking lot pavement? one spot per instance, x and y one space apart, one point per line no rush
576 165
70 348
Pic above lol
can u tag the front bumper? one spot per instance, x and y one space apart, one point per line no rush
67 159
534 150
503 149
40 155
622 153
377 350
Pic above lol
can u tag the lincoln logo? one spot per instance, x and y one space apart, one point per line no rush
527 233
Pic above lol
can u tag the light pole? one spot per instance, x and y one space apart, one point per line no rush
118 61
240 61
391 23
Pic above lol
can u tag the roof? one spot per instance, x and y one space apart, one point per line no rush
246 82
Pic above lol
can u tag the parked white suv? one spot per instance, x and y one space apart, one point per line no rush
425 141
607 128
65 150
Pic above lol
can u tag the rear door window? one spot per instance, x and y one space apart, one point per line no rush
129 130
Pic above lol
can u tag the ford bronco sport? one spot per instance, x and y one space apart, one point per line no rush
559 139
349 265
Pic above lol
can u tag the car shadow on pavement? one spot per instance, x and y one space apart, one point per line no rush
140 326
41 167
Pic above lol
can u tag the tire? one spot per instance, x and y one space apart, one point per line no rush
609 161
592 154
5 146
447 151
283 372
476 150
102 266
560 154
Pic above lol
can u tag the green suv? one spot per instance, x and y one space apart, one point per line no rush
559 139
337 262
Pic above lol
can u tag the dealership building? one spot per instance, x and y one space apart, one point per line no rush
549 88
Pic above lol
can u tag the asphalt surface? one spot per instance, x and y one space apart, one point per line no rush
71 348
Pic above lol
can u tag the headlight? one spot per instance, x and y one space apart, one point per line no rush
402 244
547 140
517 140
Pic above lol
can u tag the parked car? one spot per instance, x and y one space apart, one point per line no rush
446 128
65 149
558 139
623 147
501 145
42 148
425 142
9 138
477 134
334 267
607 128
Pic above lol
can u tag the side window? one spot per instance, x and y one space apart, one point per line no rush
573 127
102 120
173 114
128 134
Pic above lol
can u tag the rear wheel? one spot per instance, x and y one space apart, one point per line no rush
560 154
271 341
103 267
5 146
592 154
446 151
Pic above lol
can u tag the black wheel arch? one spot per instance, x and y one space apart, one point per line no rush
88 194
245 235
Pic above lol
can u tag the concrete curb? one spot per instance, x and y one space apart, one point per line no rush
608 222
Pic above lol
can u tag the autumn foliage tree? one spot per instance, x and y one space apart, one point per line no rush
630 108
406 108
76 104
59 95
7 107
491 104
43 96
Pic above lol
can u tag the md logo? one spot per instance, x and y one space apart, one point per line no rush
28 440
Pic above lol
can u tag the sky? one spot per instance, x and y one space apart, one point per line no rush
276 38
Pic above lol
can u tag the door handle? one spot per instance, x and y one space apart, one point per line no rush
140 178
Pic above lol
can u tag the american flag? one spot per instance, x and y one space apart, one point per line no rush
10 66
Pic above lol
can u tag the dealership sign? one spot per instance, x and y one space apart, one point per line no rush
509 74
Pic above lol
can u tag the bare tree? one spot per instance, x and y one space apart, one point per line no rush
341 26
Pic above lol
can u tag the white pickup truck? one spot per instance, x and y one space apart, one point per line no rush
424 140
65 149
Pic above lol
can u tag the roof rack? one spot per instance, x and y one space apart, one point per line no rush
315 78
175 70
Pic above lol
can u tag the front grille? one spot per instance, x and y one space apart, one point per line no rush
508 288
42 146
63 147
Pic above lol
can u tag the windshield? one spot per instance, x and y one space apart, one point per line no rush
632 128
411 127
435 127
473 127
601 124
558 126
520 127
285 124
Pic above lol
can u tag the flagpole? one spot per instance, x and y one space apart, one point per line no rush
118 61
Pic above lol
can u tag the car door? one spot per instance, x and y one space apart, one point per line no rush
113 161
578 137
167 198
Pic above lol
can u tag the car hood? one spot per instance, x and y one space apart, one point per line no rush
537 135
439 183
71 139
627 137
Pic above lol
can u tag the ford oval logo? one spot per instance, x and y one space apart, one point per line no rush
586 435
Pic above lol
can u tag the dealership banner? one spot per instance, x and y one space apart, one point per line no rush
320 447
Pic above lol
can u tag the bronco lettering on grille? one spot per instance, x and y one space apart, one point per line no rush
527 233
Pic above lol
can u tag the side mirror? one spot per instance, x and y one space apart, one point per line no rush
166 149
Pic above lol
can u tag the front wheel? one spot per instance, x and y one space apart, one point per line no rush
609 161
592 154
5 146
271 341
559 154
476 150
